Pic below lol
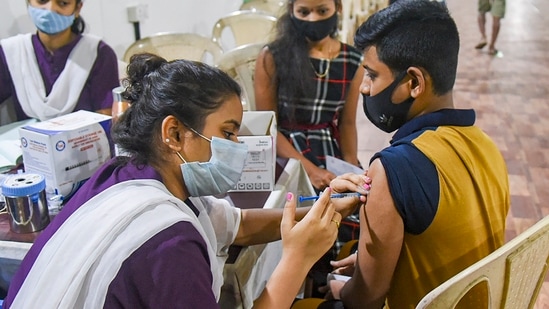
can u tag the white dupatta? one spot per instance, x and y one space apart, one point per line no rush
27 79
87 251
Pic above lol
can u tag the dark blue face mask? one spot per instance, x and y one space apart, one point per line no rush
315 30
383 112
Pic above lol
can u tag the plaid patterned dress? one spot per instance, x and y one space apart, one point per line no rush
311 126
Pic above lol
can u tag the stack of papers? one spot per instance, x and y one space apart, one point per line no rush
340 167
11 154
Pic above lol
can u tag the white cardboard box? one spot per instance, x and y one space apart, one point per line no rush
67 150
258 130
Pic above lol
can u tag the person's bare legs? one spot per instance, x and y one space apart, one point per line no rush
482 28
495 31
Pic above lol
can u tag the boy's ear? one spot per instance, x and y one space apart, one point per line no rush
417 81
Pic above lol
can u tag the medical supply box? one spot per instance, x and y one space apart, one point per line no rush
258 130
66 150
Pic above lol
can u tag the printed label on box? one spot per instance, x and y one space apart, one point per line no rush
258 131
67 150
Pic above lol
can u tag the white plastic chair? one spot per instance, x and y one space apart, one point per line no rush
380 4
172 46
509 277
275 8
239 63
347 23
363 10
122 66
243 27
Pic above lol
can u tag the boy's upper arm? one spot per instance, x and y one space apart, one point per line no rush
380 243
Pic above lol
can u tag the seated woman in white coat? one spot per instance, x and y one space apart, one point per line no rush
145 231
56 70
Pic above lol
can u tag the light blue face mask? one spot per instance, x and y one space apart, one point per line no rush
48 21
221 173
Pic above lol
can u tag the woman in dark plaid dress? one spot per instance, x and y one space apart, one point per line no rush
311 80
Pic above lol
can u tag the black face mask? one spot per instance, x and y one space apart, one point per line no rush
315 30
381 110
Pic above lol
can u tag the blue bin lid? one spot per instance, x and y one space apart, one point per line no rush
18 185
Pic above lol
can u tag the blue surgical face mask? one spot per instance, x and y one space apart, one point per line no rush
48 21
381 110
221 173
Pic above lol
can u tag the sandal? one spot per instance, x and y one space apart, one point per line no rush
493 52
480 45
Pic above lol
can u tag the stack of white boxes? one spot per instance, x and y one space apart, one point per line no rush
258 130
67 150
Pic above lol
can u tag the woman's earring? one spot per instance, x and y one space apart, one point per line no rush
167 140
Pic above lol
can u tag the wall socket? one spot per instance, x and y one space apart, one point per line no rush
137 13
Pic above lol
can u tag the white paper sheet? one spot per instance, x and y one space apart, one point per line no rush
340 167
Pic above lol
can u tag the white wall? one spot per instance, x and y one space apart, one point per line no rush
108 18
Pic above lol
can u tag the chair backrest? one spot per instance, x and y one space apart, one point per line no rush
363 10
380 4
347 22
512 275
122 66
243 27
275 8
239 63
347 249
307 303
172 46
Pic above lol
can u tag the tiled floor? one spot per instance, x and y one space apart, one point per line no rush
510 93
